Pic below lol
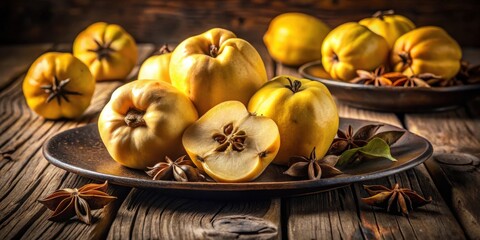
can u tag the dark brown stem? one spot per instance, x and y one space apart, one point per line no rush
134 118
335 58
294 86
58 90
213 51
382 14
164 49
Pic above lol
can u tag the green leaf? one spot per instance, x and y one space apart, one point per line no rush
377 148
347 157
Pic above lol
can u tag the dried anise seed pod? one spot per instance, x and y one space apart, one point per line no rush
312 168
375 78
396 199
468 74
69 202
347 139
418 80
181 170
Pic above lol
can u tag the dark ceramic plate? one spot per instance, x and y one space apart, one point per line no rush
82 152
392 99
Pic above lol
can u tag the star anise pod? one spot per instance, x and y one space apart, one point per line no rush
181 170
396 199
312 167
468 74
418 80
375 78
348 139
69 202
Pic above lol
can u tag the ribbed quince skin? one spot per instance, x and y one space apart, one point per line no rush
295 38
216 66
388 25
351 47
144 121
304 111
427 50
107 49
157 67
58 85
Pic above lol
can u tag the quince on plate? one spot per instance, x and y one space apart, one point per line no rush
230 144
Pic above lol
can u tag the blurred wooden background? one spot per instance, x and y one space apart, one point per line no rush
28 21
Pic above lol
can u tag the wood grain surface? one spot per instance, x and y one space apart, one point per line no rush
173 21
451 178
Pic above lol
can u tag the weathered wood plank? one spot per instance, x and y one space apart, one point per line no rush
16 59
455 165
28 177
346 217
173 21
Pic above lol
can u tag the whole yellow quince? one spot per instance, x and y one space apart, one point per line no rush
351 47
107 49
427 50
144 121
304 111
388 25
295 38
216 66
157 67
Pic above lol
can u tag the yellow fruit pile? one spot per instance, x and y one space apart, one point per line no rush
210 98
385 40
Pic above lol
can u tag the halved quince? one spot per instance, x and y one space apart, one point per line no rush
230 144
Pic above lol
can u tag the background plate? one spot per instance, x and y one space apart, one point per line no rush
392 99
81 151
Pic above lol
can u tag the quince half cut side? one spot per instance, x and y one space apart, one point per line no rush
230 144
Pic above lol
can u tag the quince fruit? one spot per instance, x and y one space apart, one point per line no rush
351 47
388 25
304 111
230 144
427 50
58 85
156 67
144 121
216 66
295 38
107 49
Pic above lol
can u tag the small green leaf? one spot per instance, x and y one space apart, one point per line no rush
377 148
347 157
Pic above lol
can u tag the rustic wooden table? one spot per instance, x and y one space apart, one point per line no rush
451 177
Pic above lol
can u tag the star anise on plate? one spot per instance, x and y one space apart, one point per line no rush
313 168
395 199
69 202
181 170
375 78
348 139
418 80
468 74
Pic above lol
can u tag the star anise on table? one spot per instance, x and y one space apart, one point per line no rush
68 202
396 199
348 139
313 168
181 170
375 78
418 80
